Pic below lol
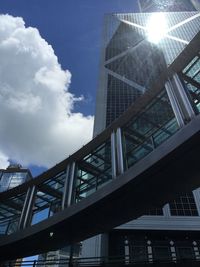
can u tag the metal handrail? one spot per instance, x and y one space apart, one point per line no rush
94 261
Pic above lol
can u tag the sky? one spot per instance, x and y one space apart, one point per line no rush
50 53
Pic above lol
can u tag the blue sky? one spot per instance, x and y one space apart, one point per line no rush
73 28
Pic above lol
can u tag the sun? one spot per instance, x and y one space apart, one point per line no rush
156 27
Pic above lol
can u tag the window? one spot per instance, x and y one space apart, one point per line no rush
184 206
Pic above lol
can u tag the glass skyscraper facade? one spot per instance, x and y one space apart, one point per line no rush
13 176
157 73
131 65
167 5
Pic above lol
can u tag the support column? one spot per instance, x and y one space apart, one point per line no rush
196 194
71 183
126 251
24 210
174 104
66 187
166 210
183 98
120 162
149 251
28 208
196 250
113 155
173 251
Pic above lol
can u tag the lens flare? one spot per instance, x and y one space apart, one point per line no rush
156 27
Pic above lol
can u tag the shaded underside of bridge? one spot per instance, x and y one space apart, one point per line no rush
155 180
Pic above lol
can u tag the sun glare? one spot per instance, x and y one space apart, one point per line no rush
156 27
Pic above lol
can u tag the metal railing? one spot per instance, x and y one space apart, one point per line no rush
91 168
101 261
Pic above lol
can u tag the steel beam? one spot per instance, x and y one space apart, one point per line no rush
174 104
29 208
182 97
66 186
113 155
71 183
120 162
24 210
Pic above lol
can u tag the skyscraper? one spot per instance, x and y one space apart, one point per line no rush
137 49
167 5
13 176
134 53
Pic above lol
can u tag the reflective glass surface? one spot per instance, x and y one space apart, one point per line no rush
184 206
148 130
48 198
191 78
10 213
166 5
12 179
120 96
132 62
93 171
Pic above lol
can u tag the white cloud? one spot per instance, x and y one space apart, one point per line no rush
37 123
4 161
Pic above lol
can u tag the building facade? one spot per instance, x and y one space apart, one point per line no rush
59 257
13 176
133 57
168 5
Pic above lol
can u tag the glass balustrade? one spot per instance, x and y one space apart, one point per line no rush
10 213
93 171
146 131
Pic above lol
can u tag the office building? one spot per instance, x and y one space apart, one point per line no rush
13 176
168 5
138 48
59 257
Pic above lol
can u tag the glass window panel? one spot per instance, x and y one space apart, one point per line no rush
10 213
93 171
148 130
48 198
12 179
191 77
184 206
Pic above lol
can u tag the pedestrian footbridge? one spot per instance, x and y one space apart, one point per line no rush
142 160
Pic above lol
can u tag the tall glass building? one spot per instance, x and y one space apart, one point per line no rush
13 176
168 5
138 49
134 54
